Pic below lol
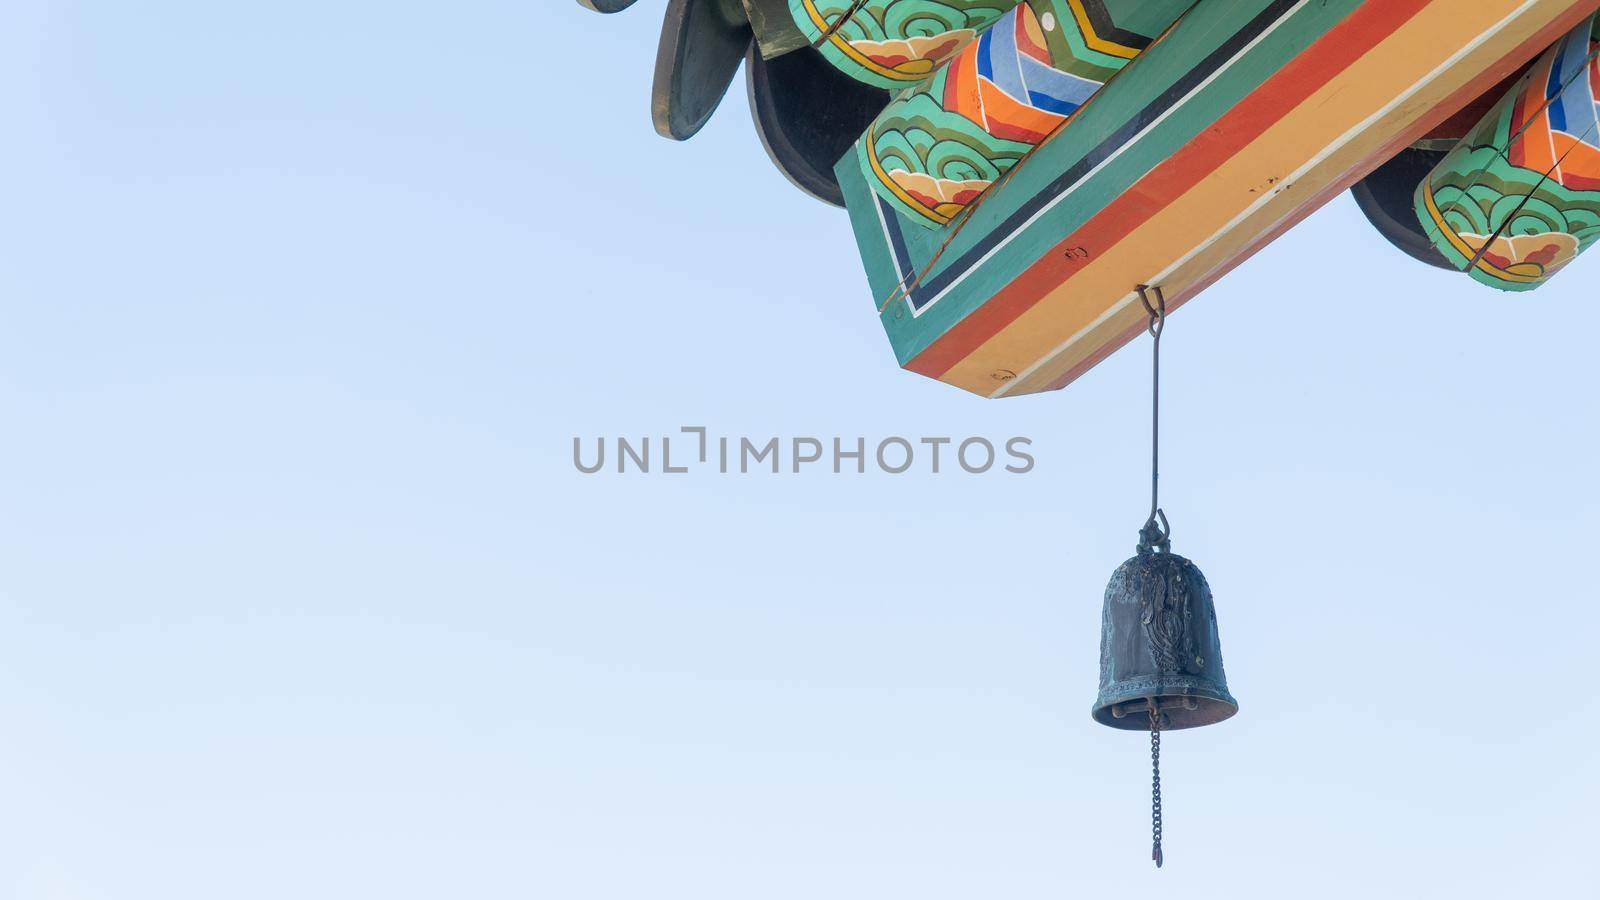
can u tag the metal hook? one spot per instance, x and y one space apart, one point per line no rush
1156 533
1157 311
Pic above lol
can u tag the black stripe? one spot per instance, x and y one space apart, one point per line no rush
932 285
1100 21
897 242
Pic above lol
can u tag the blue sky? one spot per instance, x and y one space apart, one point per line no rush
300 594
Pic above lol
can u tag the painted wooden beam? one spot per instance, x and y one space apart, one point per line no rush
1244 118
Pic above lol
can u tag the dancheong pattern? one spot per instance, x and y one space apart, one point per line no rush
937 147
894 43
1519 197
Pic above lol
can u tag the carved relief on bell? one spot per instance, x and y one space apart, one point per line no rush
1159 642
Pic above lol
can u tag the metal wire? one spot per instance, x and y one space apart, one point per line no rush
833 28
1157 532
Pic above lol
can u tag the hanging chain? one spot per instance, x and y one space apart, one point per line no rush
1155 784
1156 533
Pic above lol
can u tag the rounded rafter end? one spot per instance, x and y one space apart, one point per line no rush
606 6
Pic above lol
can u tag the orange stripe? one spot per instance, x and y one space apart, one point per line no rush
1580 164
1532 149
961 86
1011 120
1494 80
1331 54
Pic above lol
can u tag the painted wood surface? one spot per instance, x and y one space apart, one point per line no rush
1247 116
1519 198
702 44
894 43
941 144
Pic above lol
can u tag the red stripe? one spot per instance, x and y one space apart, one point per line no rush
1501 76
1462 120
1318 64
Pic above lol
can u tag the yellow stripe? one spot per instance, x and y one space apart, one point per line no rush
1290 198
1093 40
1084 314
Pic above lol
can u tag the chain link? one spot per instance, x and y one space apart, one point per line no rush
1155 785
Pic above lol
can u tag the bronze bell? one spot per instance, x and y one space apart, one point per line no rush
1160 656
1159 649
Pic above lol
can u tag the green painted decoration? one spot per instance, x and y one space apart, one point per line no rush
1519 198
894 43
939 146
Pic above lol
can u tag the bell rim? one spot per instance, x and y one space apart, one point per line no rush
1103 716
1163 687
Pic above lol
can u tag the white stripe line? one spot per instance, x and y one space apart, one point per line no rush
1156 122
1283 185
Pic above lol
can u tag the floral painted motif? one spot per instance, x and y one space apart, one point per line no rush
894 43
936 148
1519 197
